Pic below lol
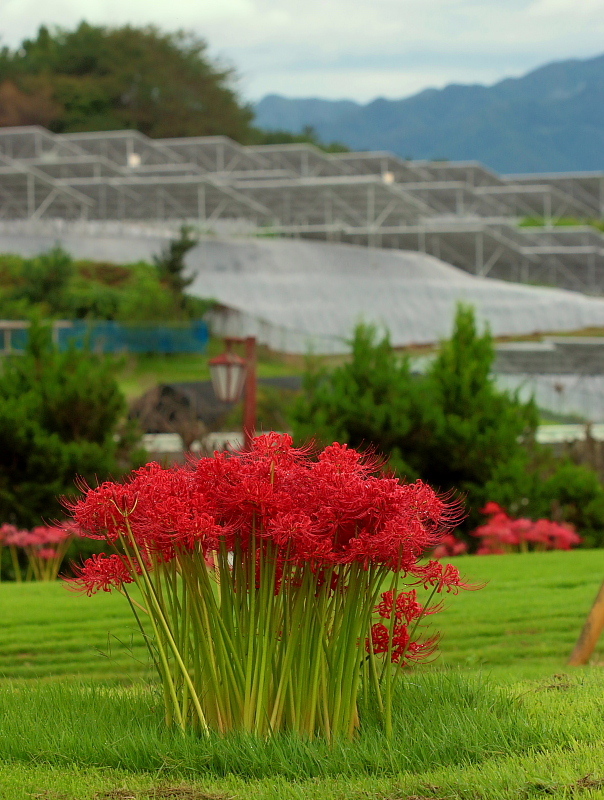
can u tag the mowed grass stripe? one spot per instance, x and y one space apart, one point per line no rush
531 609
48 631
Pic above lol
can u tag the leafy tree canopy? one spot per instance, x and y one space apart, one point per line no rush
52 284
103 78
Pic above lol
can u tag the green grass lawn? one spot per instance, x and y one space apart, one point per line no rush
525 621
487 720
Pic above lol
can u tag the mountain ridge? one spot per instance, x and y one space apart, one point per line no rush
549 120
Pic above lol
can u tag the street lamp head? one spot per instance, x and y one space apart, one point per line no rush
230 373
227 372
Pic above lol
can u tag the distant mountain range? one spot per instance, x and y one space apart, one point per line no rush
550 120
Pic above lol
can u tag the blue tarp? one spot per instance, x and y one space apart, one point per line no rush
115 337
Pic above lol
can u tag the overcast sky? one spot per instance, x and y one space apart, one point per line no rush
358 49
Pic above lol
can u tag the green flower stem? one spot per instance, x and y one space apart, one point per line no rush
315 676
209 636
172 707
238 647
387 672
292 635
172 644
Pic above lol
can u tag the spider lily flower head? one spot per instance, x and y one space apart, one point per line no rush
101 572
449 546
6 531
326 511
50 535
20 538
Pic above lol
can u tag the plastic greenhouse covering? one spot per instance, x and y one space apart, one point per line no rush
299 295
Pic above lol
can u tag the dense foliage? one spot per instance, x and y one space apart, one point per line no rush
60 418
452 427
104 78
54 285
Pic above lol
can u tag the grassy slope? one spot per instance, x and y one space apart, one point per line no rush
526 619
521 625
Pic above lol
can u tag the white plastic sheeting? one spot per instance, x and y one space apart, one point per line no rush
581 396
120 242
573 432
297 295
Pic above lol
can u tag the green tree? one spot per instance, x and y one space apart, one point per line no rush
171 264
60 417
106 78
476 438
370 402
452 427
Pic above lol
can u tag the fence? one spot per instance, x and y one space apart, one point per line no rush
112 337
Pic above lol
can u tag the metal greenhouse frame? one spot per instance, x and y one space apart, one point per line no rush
461 212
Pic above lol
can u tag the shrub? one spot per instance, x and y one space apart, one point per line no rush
573 492
45 278
371 401
60 416
451 427
53 285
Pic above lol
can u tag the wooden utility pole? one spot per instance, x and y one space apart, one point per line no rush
594 624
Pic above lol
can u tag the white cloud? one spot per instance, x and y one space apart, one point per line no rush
335 48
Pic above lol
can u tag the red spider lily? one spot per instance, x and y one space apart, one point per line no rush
328 512
504 534
51 535
101 572
20 538
271 557
6 530
402 650
406 606
492 508
440 578
450 546
44 546
47 553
